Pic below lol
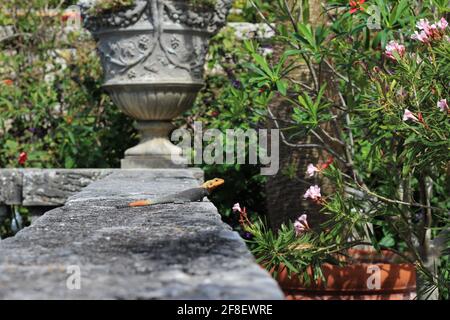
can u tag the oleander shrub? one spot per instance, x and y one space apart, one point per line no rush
376 100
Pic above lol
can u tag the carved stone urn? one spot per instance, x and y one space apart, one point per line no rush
153 54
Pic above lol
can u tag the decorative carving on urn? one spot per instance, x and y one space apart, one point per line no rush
153 54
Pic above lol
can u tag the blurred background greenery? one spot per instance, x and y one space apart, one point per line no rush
52 106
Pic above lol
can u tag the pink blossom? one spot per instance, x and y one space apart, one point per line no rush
442 104
424 25
237 207
313 192
422 36
311 170
434 32
301 224
429 31
408 115
394 46
442 24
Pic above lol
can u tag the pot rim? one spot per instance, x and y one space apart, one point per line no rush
168 28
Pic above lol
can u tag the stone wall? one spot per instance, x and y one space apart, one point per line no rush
44 187
172 251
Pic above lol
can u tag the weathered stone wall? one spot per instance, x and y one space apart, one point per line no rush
172 251
45 187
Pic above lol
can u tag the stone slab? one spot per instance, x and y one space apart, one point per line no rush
44 187
149 162
53 187
11 187
172 251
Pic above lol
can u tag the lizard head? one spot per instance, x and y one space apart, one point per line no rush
210 185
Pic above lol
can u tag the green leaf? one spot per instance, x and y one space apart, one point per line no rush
282 87
387 241
261 61
69 162
289 265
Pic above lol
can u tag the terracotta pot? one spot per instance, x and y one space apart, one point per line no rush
369 276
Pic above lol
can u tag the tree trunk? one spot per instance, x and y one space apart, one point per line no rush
285 189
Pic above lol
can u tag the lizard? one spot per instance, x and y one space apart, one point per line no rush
189 195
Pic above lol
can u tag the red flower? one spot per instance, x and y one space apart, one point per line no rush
422 121
23 156
356 5
327 163
8 82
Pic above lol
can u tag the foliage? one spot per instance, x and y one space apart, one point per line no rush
285 249
53 112
228 101
390 174
53 108
51 103
225 104
244 11
102 6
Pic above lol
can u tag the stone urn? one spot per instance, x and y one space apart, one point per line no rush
153 54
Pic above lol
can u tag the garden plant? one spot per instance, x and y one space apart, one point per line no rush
376 102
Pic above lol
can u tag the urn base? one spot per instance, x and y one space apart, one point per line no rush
154 150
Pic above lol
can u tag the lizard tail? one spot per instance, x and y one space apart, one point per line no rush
139 203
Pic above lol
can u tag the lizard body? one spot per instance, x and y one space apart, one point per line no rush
189 195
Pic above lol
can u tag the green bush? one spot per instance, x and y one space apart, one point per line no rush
51 103
389 167
53 112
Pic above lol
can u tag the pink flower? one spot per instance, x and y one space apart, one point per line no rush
422 36
408 115
433 28
394 46
442 24
313 192
237 207
311 170
301 225
424 25
429 31
442 104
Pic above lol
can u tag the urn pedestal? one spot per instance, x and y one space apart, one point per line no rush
153 54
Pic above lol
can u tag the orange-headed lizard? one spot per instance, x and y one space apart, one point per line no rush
189 195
